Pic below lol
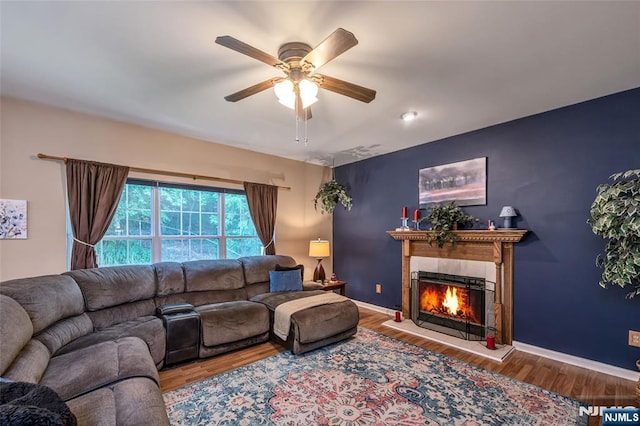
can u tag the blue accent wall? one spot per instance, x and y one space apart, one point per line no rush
548 167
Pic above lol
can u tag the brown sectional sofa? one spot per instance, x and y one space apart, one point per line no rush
93 336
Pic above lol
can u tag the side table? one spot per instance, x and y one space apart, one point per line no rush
335 285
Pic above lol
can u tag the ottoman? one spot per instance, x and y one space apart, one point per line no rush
313 327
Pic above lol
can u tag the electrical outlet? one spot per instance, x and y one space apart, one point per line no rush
378 288
634 338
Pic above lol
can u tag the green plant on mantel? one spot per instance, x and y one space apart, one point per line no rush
330 194
615 214
444 220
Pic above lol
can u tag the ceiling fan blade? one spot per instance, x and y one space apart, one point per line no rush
347 89
245 49
331 47
256 88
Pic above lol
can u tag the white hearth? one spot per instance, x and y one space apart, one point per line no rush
475 347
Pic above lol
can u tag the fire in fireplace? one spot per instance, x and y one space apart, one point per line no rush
451 304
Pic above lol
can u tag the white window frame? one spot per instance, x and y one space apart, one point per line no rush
156 237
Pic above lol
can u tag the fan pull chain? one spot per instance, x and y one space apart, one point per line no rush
306 139
297 121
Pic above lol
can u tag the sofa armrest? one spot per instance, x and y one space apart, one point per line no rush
312 285
175 308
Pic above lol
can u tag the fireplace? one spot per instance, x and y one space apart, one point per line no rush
496 247
457 305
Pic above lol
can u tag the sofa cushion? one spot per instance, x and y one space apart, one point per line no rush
121 313
256 268
232 321
99 365
170 277
65 331
135 401
199 298
203 275
147 328
15 330
47 299
115 285
30 364
272 300
285 281
299 267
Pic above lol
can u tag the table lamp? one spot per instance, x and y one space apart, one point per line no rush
319 249
508 212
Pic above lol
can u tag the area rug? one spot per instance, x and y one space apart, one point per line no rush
370 379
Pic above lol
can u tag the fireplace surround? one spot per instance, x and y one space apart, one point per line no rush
486 246
452 304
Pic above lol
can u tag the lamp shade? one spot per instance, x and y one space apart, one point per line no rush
319 248
508 211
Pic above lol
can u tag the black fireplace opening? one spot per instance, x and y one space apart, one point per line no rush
451 304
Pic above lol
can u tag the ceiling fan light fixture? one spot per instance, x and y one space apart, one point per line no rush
284 92
308 92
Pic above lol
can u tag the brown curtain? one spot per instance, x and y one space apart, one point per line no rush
263 201
93 190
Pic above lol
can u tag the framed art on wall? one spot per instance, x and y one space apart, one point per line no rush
464 182
13 219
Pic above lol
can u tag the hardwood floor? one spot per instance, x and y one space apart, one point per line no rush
585 385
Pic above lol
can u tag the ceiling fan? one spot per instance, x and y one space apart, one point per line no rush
299 62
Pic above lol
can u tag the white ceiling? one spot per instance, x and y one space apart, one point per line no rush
461 65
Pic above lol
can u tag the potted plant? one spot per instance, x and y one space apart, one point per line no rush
615 215
444 220
330 194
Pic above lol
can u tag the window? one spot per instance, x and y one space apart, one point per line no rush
158 221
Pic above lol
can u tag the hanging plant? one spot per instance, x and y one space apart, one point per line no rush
330 194
444 220
615 214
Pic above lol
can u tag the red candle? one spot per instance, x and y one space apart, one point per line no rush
491 342
398 316
405 212
416 215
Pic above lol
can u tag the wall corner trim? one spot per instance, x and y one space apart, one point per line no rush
600 367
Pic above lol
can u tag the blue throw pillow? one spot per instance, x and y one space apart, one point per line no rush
285 281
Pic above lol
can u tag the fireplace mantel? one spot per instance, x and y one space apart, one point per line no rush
485 246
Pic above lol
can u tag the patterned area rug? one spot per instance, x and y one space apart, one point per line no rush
370 379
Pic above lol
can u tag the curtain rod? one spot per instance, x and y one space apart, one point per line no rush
164 172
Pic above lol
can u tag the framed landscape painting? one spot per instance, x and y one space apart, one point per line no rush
464 182
13 219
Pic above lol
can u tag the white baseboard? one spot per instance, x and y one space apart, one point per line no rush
376 308
577 361
546 353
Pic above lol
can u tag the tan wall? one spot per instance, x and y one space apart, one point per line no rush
28 129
